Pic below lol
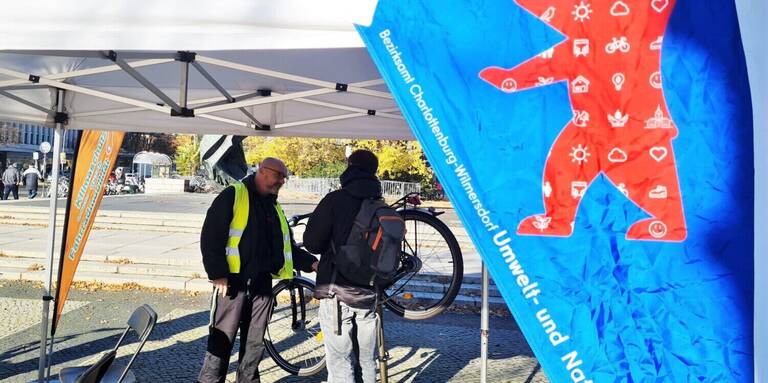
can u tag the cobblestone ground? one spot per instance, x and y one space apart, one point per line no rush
442 349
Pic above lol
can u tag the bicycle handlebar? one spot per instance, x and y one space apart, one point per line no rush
293 221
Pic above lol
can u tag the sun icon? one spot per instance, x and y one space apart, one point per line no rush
581 12
579 154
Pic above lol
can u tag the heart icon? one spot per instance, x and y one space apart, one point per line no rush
658 153
659 5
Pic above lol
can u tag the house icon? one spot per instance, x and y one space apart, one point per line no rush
580 85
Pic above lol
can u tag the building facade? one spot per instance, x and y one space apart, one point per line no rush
20 140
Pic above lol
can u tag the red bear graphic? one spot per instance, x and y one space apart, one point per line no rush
621 127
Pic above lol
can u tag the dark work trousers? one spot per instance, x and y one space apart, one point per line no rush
8 189
248 313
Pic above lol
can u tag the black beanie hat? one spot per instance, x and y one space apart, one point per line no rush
364 160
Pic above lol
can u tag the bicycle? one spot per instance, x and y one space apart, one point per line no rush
62 189
430 258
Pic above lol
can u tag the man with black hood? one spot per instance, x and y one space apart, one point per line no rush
345 306
246 242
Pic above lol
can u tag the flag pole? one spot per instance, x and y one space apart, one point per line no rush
41 373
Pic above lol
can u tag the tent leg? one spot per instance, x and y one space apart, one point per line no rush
41 373
484 327
49 360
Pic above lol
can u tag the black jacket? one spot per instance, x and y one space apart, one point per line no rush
261 246
332 220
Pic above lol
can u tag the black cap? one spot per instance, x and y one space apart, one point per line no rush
364 160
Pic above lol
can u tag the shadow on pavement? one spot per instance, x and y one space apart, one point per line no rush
61 356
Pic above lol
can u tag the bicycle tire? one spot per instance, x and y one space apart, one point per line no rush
426 305
289 347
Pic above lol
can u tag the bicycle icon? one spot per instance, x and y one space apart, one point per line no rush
617 44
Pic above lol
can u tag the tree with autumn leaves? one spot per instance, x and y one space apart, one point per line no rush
325 157
320 157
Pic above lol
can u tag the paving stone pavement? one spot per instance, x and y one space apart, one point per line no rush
442 349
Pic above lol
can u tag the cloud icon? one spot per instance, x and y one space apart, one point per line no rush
617 155
619 8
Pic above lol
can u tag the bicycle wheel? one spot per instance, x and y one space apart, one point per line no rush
293 338
432 268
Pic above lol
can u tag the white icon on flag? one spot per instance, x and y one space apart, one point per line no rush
546 189
619 8
659 5
580 118
580 85
578 188
580 47
542 222
548 14
658 153
656 44
617 44
617 155
618 80
618 120
659 192
544 80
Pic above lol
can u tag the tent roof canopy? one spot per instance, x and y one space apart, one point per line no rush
325 85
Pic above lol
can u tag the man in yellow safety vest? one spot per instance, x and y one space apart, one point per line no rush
246 242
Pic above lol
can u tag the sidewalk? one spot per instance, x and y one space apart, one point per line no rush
442 349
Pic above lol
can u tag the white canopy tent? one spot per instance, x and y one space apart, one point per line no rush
293 68
323 85
287 68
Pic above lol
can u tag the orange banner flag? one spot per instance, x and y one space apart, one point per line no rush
94 161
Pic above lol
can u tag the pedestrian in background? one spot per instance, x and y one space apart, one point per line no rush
31 177
11 182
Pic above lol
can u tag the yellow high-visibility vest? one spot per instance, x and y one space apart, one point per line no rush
240 210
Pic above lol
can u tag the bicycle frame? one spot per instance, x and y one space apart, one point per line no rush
414 200
291 285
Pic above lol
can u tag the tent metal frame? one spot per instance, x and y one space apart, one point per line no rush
205 107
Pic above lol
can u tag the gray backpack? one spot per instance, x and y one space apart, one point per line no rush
371 254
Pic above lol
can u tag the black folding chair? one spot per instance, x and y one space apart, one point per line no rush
142 321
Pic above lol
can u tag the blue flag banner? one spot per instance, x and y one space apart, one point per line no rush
600 155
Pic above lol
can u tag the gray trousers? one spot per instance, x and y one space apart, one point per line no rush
228 314
351 356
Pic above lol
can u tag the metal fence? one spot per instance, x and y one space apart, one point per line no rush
322 186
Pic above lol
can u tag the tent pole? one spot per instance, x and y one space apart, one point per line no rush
484 327
41 375
184 84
